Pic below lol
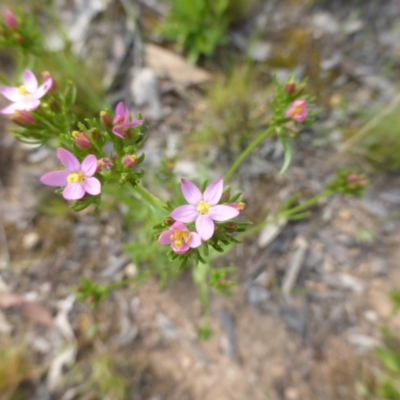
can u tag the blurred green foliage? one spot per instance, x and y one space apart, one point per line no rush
200 26
387 382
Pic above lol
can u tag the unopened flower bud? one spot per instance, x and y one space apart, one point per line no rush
130 160
168 221
230 227
225 195
106 120
81 139
10 20
290 87
103 164
94 133
23 118
238 206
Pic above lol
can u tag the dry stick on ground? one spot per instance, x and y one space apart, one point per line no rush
296 262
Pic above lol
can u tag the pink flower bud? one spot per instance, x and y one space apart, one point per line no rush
23 118
238 206
130 160
81 139
10 19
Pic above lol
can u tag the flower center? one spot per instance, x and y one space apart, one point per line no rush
203 208
179 238
76 177
297 111
22 90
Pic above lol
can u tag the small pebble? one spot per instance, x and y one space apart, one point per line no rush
31 241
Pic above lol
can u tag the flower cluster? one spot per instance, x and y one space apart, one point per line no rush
202 211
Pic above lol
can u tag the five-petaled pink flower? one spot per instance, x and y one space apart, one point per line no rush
297 111
78 179
122 121
203 208
180 239
25 97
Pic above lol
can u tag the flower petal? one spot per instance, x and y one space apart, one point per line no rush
223 213
30 82
43 89
178 226
186 213
11 93
183 249
120 109
55 178
28 104
165 237
195 240
11 109
117 131
92 186
75 191
133 124
213 192
89 165
191 192
67 159
204 226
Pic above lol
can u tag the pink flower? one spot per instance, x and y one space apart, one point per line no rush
104 164
203 208
180 239
10 19
78 179
297 111
25 97
122 121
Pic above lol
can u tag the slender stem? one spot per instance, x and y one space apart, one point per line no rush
119 284
258 140
284 214
306 204
149 197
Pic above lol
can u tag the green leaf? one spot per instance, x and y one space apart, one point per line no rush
389 359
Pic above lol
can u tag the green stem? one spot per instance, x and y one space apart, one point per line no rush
306 204
242 157
149 197
285 214
119 284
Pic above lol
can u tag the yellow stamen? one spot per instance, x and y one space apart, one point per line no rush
22 90
203 207
76 177
297 110
241 206
180 237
